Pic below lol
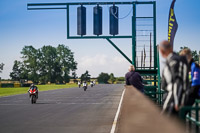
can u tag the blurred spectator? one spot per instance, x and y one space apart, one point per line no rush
174 79
195 76
134 78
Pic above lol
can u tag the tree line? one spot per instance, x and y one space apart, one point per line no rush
56 65
46 64
102 78
51 64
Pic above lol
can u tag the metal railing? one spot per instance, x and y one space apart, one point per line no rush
191 113
152 85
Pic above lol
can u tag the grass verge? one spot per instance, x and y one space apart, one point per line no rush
23 90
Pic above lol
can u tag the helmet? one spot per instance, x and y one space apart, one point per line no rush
32 85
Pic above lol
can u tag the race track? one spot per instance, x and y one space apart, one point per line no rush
68 110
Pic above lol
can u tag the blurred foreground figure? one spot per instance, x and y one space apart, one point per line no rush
195 77
134 78
175 79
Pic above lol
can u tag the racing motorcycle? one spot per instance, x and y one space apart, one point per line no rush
91 84
79 84
85 86
33 95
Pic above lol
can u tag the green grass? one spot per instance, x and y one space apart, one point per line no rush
23 90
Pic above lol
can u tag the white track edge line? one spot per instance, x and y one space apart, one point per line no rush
117 114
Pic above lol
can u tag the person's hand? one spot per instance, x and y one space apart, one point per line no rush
176 107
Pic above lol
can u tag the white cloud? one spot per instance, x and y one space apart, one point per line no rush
92 61
118 59
102 63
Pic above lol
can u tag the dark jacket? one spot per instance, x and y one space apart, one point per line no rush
175 82
134 78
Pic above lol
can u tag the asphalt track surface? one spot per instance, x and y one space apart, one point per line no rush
68 110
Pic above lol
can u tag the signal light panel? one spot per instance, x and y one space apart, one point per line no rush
81 20
97 25
114 12
97 21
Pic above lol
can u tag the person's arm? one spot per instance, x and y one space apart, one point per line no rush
126 78
141 79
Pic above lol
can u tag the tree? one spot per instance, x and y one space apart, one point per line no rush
112 78
103 78
85 76
1 67
46 64
30 61
74 76
50 68
16 71
195 56
24 72
66 60
120 79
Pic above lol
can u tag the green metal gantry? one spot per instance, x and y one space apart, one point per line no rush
66 6
149 71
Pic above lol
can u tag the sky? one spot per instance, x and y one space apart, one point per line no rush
20 27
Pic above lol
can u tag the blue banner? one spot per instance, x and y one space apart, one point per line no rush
172 26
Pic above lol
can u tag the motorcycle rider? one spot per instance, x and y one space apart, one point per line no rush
91 83
84 84
79 84
34 87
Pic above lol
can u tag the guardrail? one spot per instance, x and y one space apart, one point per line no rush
153 92
191 113
155 96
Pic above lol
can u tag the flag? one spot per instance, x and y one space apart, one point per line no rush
172 24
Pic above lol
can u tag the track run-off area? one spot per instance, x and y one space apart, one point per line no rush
68 110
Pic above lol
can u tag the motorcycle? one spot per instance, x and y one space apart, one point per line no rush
33 95
85 86
91 84
79 85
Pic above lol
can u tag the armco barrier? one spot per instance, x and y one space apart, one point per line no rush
192 115
25 85
7 85
16 85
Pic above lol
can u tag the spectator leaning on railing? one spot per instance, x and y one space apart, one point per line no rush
174 79
134 78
